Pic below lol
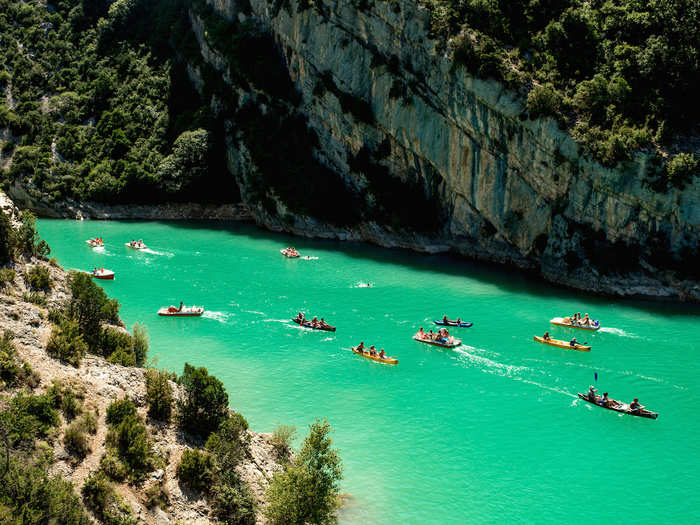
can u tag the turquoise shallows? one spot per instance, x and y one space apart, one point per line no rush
489 433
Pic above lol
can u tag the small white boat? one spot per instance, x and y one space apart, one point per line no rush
136 245
103 274
95 243
185 311
290 253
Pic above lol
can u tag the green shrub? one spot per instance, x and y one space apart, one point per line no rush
29 418
122 357
68 397
233 504
130 438
113 467
230 443
14 372
682 168
7 244
140 340
157 495
159 395
543 101
88 422
66 343
196 470
7 275
28 494
119 410
34 298
116 340
39 278
306 491
205 402
282 437
76 441
99 495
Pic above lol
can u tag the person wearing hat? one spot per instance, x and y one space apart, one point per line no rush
591 393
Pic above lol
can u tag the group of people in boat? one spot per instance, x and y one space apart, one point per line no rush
381 354
547 337
97 240
290 251
137 244
313 323
576 319
95 271
441 336
605 401
172 309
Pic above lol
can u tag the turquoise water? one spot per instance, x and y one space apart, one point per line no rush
488 433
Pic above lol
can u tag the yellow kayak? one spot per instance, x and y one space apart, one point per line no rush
562 344
386 360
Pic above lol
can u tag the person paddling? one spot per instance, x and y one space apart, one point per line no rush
635 406
382 353
546 336
591 393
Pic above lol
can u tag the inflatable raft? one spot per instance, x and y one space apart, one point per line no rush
454 344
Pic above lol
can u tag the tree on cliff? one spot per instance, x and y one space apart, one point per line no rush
306 491
6 239
205 403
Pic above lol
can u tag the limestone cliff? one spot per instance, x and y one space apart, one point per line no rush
408 150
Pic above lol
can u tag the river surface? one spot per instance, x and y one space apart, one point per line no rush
491 432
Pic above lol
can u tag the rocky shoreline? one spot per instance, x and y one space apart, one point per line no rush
99 383
649 284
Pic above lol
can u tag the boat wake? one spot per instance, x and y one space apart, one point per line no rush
221 317
488 365
275 320
254 312
547 387
328 339
617 331
155 252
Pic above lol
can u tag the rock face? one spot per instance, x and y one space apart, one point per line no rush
431 157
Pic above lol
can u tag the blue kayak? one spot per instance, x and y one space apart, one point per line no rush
462 324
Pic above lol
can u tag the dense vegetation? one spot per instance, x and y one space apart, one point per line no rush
98 110
618 72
